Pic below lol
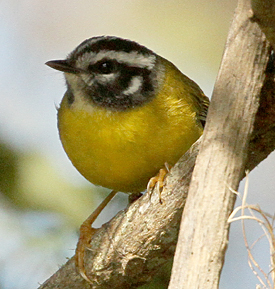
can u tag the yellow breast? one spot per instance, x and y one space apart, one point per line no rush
122 150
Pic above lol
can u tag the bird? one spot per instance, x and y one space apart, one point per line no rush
127 115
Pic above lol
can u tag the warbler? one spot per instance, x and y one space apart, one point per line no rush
126 112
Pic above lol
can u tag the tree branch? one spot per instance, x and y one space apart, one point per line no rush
223 155
128 250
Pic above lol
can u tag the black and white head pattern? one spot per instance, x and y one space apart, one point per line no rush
114 73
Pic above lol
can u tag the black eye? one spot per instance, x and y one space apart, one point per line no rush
103 67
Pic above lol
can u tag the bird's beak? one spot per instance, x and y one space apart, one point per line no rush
63 65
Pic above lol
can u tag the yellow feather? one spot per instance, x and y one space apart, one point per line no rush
122 150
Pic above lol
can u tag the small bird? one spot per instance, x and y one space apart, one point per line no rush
126 113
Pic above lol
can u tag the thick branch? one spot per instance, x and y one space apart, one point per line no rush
129 249
223 154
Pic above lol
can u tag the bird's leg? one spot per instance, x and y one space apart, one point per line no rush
158 180
86 234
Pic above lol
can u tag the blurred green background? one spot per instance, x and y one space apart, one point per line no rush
43 199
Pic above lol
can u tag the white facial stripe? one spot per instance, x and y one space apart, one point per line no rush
130 58
107 78
134 86
103 78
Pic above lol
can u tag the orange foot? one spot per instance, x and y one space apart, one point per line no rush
86 234
158 180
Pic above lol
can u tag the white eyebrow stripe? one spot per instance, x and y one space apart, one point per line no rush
133 58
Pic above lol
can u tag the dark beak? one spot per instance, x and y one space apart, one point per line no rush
63 65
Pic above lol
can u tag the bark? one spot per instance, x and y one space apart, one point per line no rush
223 155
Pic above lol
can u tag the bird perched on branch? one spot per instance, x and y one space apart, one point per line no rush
126 113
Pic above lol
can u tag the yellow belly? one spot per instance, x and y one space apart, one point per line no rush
122 150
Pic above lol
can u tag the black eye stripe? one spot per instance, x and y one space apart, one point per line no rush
113 65
128 72
104 66
111 94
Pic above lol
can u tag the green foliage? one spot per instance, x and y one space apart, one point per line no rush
8 169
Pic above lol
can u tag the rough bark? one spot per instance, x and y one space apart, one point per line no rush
223 155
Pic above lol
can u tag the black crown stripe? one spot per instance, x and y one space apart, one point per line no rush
110 44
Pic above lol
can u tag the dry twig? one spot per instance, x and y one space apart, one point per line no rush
266 222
